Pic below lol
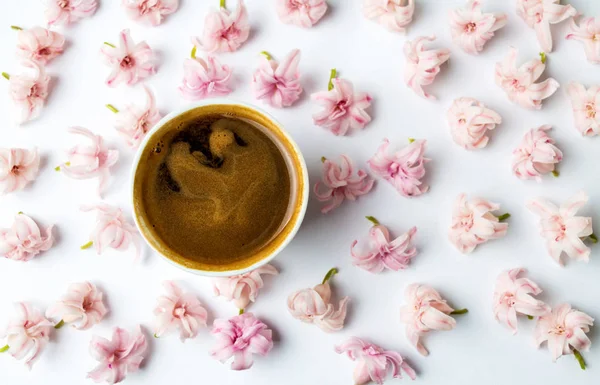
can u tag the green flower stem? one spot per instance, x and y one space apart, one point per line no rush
411 140
222 4
555 173
16 28
330 274
112 108
373 220
110 44
579 358
241 312
5 76
59 325
193 53
460 311
20 212
530 317
543 57
57 168
504 217
266 54
4 348
332 76
87 245
155 336
323 159
593 237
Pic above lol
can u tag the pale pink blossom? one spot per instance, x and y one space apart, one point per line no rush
82 306
240 337
86 161
29 91
422 65
519 83
224 31
204 78
372 362
473 223
539 14
179 310
536 155
404 169
343 109
425 310
586 108
278 84
395 15
341 183
588 32
471 28
514 295
65 12
129 62
118 357
18 168
303 13
24 240
39 45
469 121
243 288
134 122
562 229
564 329
112 230
149 11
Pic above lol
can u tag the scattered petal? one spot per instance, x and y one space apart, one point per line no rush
278 83
112 229
18 168
242 289
24 240
536 155
539 14
204 78
149 11
395 15
303 13
471 28
587 32
178 310
422 66
224 31
29 90
81 306
134 122
65 12
586 108
39 45
469 121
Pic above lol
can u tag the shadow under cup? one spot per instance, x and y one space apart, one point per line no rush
296 168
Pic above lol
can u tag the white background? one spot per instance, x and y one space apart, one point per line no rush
479 350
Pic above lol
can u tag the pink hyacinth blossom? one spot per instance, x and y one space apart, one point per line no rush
150 11
422 65
112 230
24 240
278 84
39 45
562 229
586 108
129 62
179 310
27 333
536 155
82 306
303 13
29 90
404 169
395 15
242 289
18 168
471 28
204 78
539 14
373 363
341 183
514 295
588 32
224 31
240 337
118 357
519 83
134 122
65 12
469 121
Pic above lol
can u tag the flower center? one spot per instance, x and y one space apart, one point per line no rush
63 3
590 109
230 33
44 51
145 8
596 37
466 222
179 311
370 351
127 62
557 329
509 299
87 304
34 91
15 170
462 121
470 27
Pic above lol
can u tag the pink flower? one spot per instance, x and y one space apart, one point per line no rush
422 66
24 240
303 13
343 109
39 45
395 15
514 295
471 28
112 230
404 169
278 84
179 310
539 14
425 311
65 12
314 306
81 306
240 337
29 91
224 31
18 167
117 357
536 155
202 79
90 161
469 121
586 108
27 333
372 362
150 11
565 331
242 289
588 32
561 229
341 184
519 84
473 223
130 62
134 122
